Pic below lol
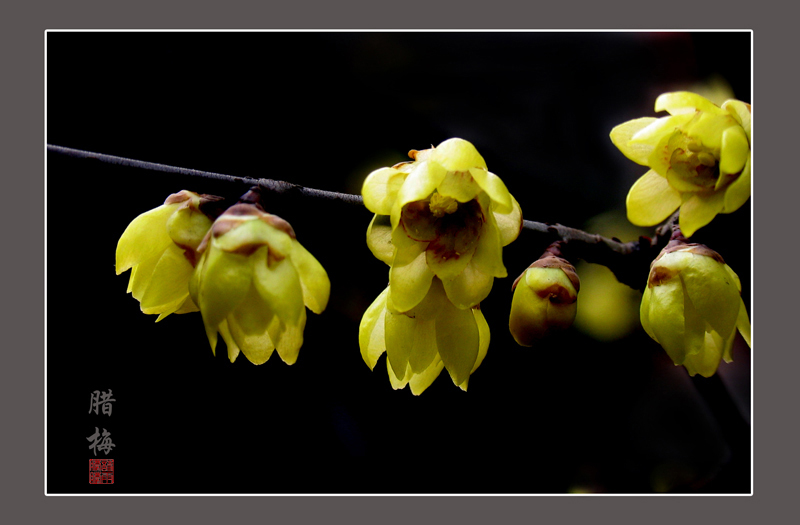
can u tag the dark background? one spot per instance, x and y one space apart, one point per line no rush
323 110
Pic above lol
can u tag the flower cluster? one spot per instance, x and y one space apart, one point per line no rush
440 223
245 272
693 308
699 159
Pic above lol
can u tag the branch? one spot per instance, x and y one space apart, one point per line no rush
626 260
275 186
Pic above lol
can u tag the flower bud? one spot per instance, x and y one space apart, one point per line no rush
545 300
252 283
160 247
692 307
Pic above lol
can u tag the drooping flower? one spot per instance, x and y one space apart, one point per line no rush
545 300
692 307
443 215
253 282
699 159
421 342
160 247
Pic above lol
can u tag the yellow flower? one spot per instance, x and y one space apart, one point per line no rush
699 159
545 300
160 247
692 307
252 282
443 215
421 342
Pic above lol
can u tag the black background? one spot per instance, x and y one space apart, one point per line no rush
323 110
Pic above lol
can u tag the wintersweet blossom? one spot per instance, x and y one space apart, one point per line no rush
253 282
699 159
440 223
692 307
159 247
443 215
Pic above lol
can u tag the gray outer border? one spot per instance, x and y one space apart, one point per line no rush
24 393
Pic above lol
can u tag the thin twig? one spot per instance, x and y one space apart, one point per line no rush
150 166
275 186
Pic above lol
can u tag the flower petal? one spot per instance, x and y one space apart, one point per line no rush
680 102
458 340
700 209
644 313
739 191
380 189
707 361
145 238
474 283
470 287
233 349
252 316
494 187
278 284
459 185
169 281
379 238
483 332
694 324
224 284
527 319
741 112
715 298
708 129
743 323
187 306
314 279
660 159
419 184
399 340
509 224
371 334
140 277
409 277
647 139
651 200
248 326
181 305
678 182
667 319
621 135
252 231
291 338
398 383
457 155
488 256
735 150
420 382
424 349
733 277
